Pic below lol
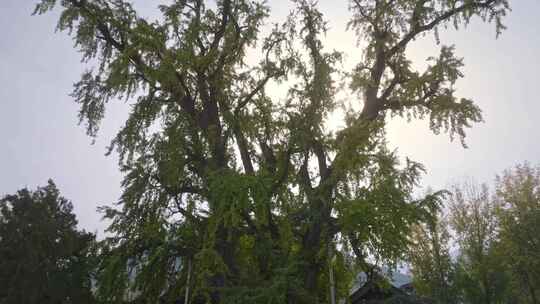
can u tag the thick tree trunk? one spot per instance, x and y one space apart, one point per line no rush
313 265
313 242
225 247
531 288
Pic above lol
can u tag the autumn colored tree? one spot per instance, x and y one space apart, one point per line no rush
251 193
480 271
518 199
495 238
431 263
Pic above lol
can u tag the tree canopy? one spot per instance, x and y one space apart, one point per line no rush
431 262
257 194
43 257
480 273
494 235
518 201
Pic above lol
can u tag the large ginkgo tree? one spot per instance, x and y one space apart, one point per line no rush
232 195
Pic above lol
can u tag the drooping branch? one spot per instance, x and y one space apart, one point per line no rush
417 28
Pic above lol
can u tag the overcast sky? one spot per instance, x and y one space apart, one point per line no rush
40 138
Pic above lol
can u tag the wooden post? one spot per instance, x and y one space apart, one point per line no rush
331 276
188 281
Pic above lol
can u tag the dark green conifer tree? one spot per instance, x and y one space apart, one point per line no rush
44 258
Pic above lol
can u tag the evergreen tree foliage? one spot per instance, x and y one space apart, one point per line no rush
251 190
43 257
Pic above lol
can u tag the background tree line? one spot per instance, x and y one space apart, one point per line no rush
480 247
484 246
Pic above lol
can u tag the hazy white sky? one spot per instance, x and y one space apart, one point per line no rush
40 137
